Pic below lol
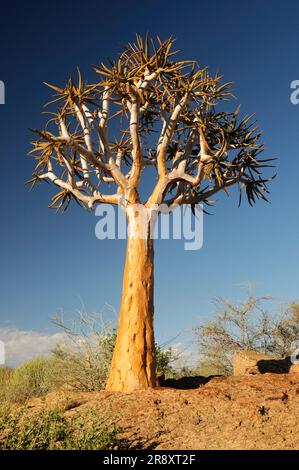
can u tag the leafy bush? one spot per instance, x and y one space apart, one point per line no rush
245 325
92 430
6 374
165 357
22 429
82 363
34 378
87 354
86 367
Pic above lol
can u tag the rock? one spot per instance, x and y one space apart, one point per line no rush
245 362
251 362
294 368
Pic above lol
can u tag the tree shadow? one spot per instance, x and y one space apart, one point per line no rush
274 366
185 383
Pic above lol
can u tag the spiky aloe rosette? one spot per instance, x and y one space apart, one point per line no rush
162 112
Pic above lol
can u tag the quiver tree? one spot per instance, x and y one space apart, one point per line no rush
163 113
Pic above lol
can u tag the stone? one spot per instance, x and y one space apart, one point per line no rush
248 362
245 362
294 368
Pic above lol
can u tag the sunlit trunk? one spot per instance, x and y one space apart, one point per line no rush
133 365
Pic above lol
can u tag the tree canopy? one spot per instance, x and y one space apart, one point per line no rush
147 109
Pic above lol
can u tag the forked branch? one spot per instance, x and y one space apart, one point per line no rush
163 114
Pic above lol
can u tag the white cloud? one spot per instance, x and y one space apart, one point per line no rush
21 345
184 356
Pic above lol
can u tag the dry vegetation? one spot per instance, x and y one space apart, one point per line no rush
248 325
58 402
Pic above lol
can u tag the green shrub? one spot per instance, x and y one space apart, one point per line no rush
22 429
82 364
6 374
87 351
86 364
87 356
92 430
165 357
84 369
34 378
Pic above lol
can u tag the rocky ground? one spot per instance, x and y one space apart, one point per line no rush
247 412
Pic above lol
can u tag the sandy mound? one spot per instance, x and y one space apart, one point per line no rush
249 412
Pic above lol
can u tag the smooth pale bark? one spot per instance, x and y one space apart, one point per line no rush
133 365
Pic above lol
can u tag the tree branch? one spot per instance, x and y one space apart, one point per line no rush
135 174
89 200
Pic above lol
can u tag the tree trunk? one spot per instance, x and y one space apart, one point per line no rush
133 365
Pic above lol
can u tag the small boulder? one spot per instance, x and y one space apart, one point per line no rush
245 362
252 362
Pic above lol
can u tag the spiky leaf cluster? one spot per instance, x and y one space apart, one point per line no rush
84 158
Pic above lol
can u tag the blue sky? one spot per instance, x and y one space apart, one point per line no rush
42 268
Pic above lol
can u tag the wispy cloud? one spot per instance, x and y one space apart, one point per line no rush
21 345
184 357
